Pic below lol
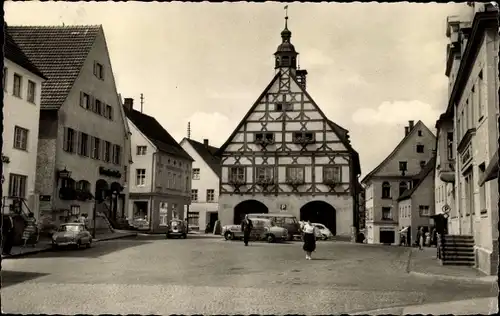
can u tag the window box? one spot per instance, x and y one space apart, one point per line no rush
303 138
330 182
237 181
67 193
83 196
294 181
264 141
265 182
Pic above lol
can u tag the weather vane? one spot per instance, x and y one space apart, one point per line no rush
286 16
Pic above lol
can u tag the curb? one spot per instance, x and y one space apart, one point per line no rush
49 248
115 237
485 279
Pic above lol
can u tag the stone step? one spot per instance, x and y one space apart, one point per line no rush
458 244
450 257
457 263
451 237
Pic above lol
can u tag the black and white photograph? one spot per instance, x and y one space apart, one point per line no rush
247 158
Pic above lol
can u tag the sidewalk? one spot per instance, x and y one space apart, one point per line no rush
480 306
45 244
424 263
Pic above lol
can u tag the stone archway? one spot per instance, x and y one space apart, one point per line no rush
320 212
247 207
101 188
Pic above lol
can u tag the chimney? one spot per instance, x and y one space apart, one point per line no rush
205 142
128 103
407 131
301 75
411 125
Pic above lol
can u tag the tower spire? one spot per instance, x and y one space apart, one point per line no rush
286 56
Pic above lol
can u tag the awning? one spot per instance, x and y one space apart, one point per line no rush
491 171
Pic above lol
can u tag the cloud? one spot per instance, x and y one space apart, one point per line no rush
396 112
213 126
314 57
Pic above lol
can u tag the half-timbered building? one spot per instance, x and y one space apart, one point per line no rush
287 156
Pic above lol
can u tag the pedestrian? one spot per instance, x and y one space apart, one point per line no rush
309 239
246 228
7 234
420 238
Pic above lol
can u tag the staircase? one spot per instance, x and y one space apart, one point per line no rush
458 250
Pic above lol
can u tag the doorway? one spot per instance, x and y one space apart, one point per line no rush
387 237
320 212
212 218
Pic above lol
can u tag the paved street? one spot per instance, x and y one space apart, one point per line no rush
210 276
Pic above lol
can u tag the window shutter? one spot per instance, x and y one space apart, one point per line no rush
65 139
77 141
81 100
95 68
92 103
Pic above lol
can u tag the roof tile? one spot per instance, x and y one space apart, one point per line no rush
59 52
208 154
153 130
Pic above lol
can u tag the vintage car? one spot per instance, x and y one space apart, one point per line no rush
324 232
72 234
263 229
177 228
285 220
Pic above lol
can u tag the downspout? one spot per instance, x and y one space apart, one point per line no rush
457 171
152 192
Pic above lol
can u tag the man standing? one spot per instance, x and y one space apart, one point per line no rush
246 228
7 234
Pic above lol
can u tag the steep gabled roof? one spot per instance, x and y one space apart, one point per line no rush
339 131
394 152
207 153
14 53
153 130
59 52
429 166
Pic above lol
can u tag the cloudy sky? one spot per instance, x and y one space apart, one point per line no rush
372 67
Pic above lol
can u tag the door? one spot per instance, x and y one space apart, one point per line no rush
214 217
387 237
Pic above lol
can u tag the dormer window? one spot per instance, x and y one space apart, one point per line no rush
403 166
284 107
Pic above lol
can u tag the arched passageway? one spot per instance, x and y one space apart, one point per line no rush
320 212
247 207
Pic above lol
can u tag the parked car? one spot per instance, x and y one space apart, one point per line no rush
139 223
177 228
284 220
263 229
324 232
72 234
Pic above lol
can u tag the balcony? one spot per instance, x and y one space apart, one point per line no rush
446 171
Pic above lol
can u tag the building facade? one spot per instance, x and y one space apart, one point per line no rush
473 109
82 131
160 176
286 156
391 179
416 205
205 178
22 83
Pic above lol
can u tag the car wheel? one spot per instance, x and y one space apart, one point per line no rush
89 245
184 236
290 237
55 247
167 236
78 244
325 237
270 238
228 236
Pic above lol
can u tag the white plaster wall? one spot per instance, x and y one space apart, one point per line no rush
19 112
140 161
208 180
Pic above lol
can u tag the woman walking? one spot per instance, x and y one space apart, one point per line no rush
309 239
